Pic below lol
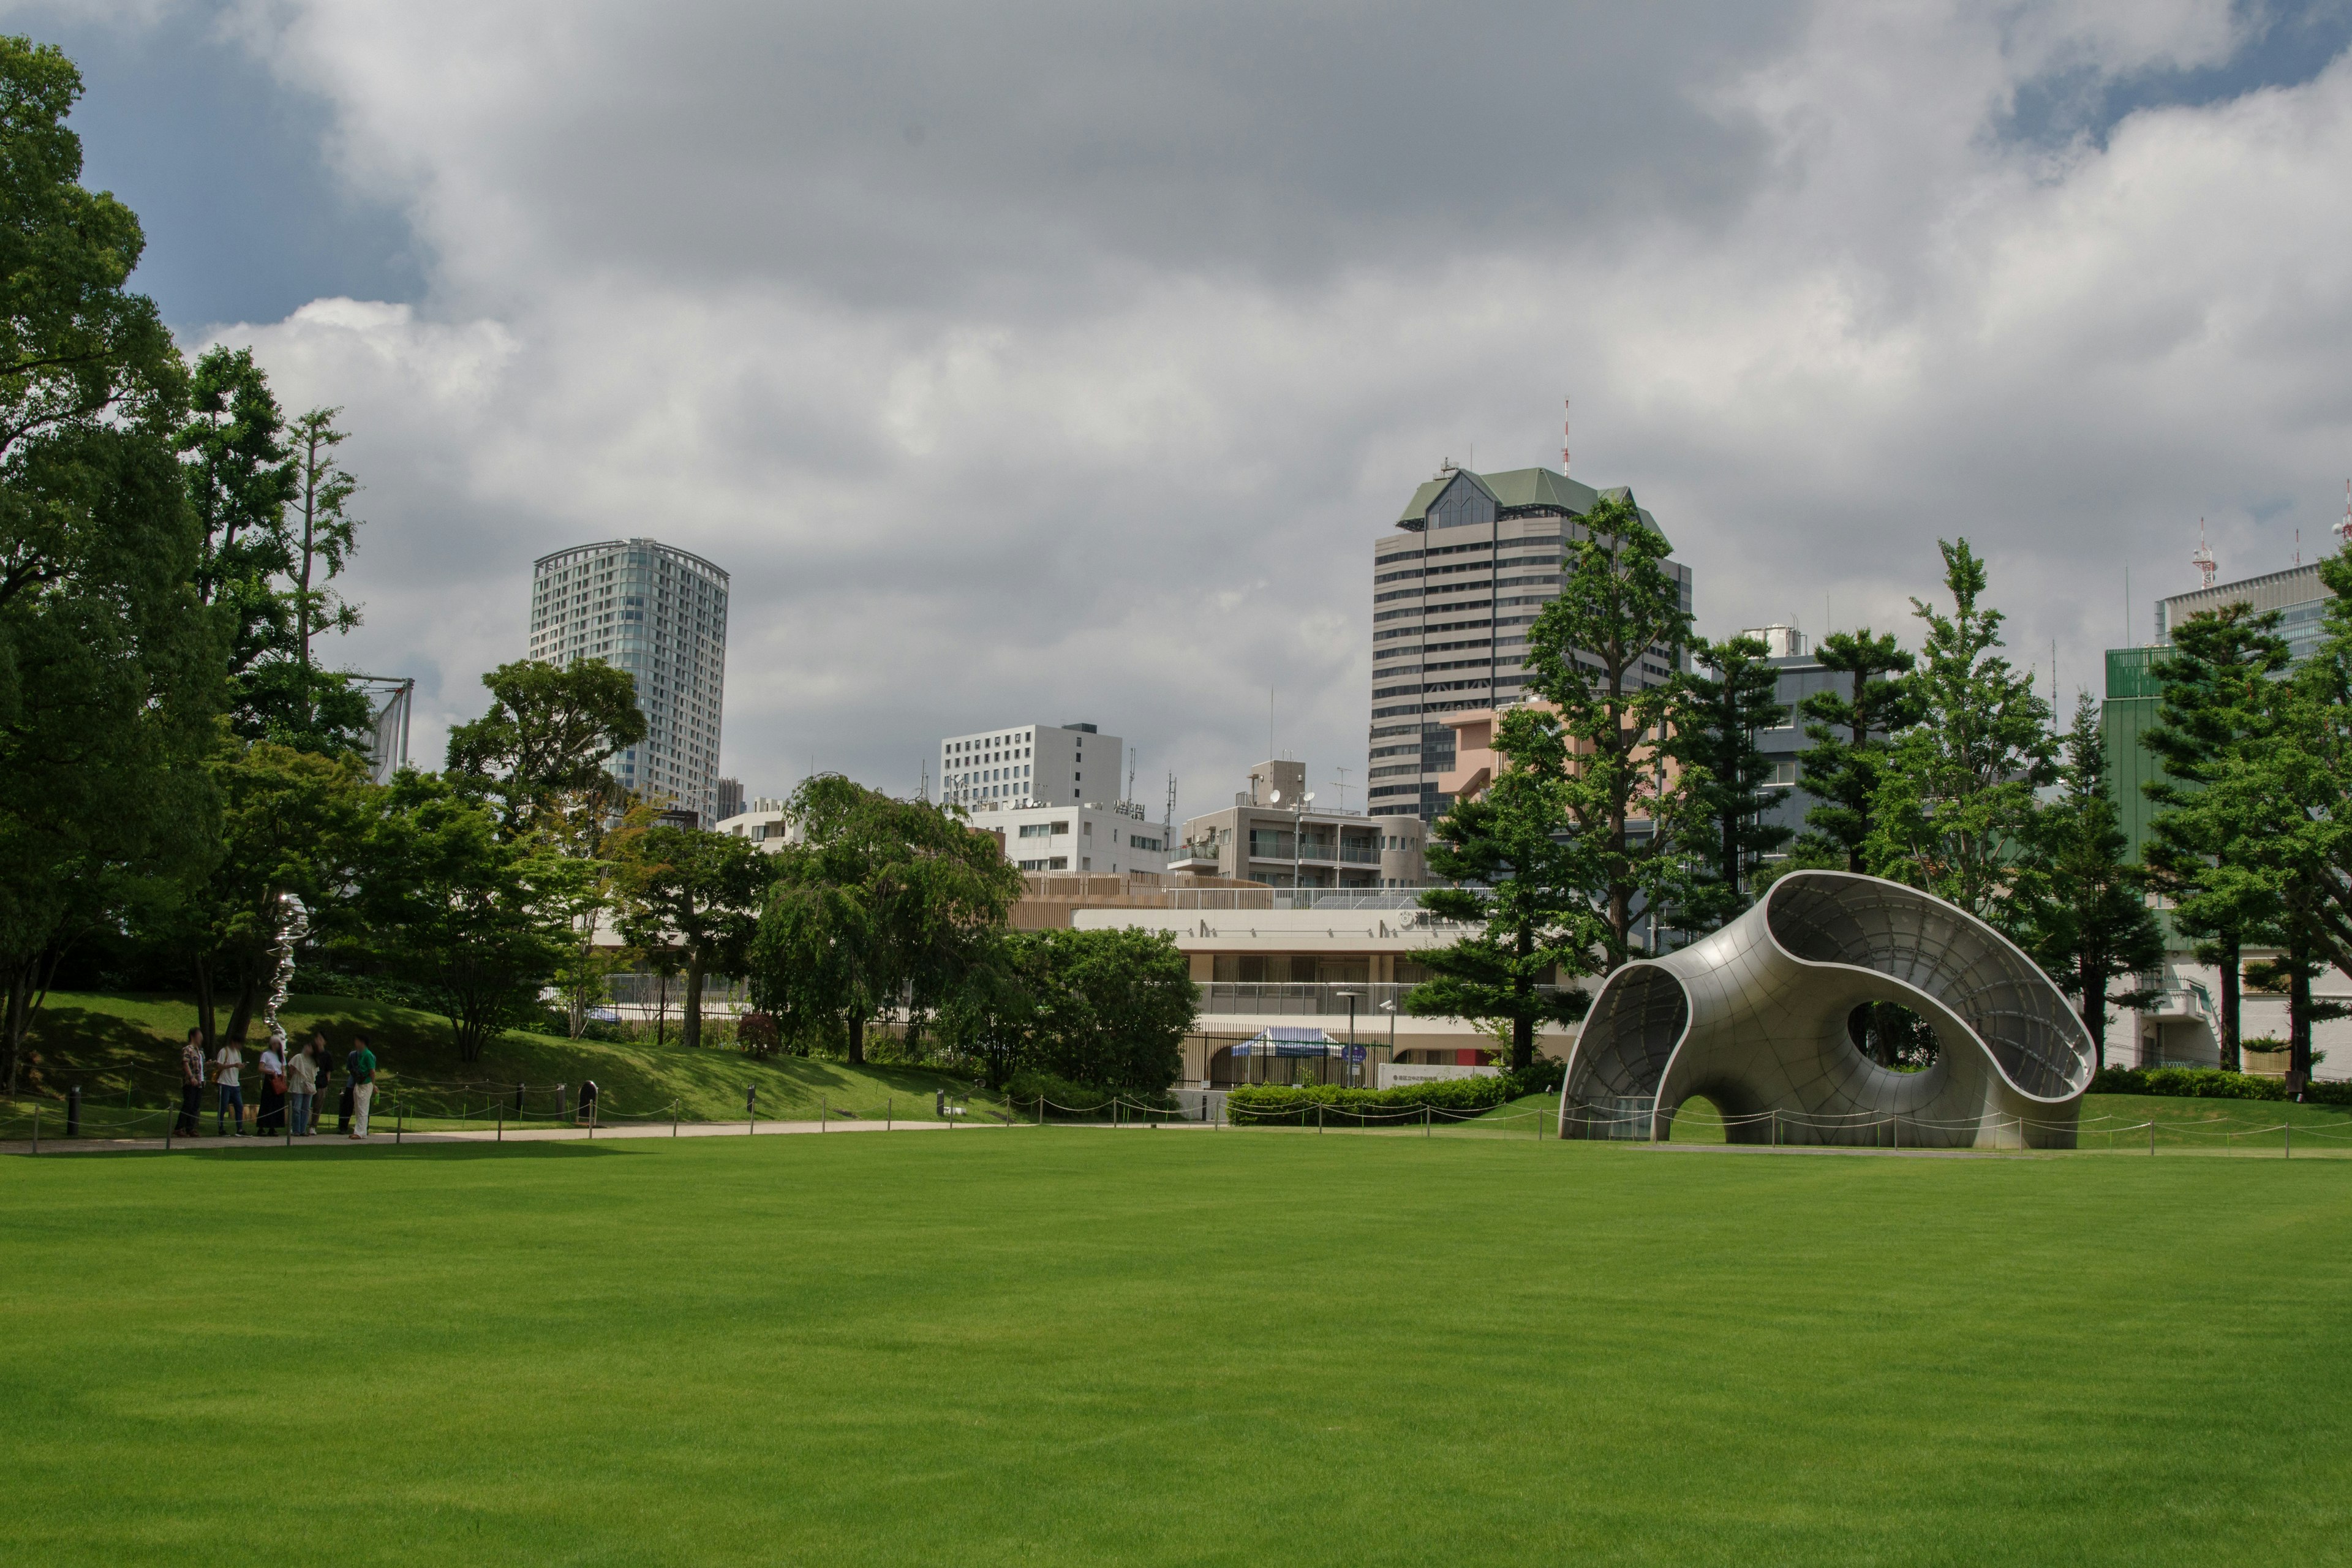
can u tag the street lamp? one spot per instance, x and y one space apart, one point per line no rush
1349 1075
1391 1009
1297 822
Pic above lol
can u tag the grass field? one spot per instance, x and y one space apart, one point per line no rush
1068 1346
125 1052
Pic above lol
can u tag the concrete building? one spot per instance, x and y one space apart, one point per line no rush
761 820
660 613
1043 764
729 799
1109 838
1272 835
1456 581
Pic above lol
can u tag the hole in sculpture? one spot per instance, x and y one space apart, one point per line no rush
1893 1035
1697 1119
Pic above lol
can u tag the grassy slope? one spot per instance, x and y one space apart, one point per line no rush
111 1043
1080 1347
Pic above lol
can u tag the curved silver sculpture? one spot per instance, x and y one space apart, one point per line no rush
1754 1019
293 925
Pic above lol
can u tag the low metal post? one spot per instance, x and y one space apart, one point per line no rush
73 1112
1895 1121
502 1123
1318 1119
399 1121
1425 1121
672 1118
2286 1138
823 1113
751 1109
1776 1127
889 1105
2151 1139
36 1127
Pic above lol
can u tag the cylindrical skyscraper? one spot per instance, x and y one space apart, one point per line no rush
660 613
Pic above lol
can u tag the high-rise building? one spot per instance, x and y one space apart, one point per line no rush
1035 764
1455 582
730 799
660 613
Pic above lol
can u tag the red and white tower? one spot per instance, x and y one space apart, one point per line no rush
2203 559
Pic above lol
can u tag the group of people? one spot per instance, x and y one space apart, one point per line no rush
291 1083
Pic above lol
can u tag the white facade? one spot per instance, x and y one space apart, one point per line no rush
761 821
1075 838
1041 763
660 613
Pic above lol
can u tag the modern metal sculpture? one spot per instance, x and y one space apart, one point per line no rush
293 925
1754 1017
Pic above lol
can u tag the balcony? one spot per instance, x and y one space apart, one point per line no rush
1309 998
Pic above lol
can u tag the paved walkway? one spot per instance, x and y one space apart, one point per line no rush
386 1138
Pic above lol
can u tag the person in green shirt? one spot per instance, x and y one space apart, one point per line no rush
361 1066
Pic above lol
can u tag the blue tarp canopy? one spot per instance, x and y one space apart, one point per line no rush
1287 1042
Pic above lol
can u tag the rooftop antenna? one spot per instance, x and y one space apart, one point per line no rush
1168 822
1568 414
1340 783
1130 774
2343 529
2203 559
2299 544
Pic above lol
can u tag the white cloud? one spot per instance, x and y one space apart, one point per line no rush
1075 383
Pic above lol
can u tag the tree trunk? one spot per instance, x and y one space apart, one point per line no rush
2094 1011
205 1013
2298 1007
690 1027
2230 1059
240 1017
857 1040
18 1019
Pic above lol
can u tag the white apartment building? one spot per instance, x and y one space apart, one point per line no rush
762 821
660 613
1273 834
1038 763
1086 837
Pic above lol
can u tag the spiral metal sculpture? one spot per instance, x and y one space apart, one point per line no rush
1754 1019
293 925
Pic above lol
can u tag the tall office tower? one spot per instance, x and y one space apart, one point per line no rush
1033 764
1455 582
661 615
730 799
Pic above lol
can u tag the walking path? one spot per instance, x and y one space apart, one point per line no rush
382 1139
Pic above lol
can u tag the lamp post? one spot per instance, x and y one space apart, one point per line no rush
1349 1075
1391 1009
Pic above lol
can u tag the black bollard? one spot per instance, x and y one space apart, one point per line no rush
73 1112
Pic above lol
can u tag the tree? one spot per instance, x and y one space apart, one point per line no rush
1112 1007
2085 912
993 1015
2220 682
550 732
1523 888
478 920
878 906
108 676
1842 771
1732 694
1955 805
1603 654
240 481
696 894
329 533
290 822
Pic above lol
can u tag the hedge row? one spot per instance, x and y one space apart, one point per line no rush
1300 1105
2211 1083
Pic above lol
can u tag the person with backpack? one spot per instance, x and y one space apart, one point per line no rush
192 1085
360 1068
228 1063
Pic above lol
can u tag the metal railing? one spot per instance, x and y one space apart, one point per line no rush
647 990
1315 998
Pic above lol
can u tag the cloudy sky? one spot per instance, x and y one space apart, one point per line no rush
1037 363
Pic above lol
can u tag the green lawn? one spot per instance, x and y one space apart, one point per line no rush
1076 1346
125 1052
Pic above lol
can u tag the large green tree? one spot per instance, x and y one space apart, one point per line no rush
1522 892
1955 805
696 894
1850 732
2086 913
1732 692
875 907
1604 654
108 675
546 739
481 923
2221 682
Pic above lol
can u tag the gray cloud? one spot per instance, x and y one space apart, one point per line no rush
1062 364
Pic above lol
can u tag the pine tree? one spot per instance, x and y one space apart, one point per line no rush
2220 684
2087 918
1733 693
1842 770
1955 805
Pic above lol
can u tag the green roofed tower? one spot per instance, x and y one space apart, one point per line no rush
1456 581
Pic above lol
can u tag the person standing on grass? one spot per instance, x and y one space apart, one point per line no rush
273 1090
301 1088
361 1066
228 1064
192 1084
322 1069
343 1105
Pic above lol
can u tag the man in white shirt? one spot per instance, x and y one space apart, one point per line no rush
272 1120
228 1065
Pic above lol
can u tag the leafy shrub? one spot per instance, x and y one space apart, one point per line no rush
1063 1097
758 1034
2211 1083
1295 1105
